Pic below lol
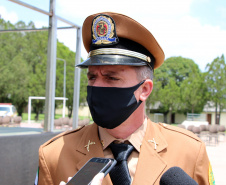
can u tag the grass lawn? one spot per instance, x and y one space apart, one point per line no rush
41 116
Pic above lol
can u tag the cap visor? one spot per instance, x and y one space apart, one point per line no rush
111 60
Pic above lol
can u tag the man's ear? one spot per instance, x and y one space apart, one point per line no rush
146 89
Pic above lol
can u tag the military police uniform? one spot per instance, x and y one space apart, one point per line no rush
115 39
64 155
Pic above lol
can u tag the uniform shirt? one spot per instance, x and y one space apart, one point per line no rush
135 139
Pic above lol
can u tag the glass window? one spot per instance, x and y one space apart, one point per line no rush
14 109
5 109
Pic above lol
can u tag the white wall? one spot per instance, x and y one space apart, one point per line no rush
179 118
222 118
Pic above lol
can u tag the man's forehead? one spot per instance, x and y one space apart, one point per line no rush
109 69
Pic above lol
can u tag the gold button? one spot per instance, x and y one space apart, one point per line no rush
148 59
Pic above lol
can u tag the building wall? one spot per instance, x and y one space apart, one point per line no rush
179 118
83 111
222 118
156 117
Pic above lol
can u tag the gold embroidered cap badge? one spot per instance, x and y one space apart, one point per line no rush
103 30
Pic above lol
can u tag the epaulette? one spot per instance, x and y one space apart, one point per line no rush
61 135
180 130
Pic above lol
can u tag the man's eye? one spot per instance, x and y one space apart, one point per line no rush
113 78
91 78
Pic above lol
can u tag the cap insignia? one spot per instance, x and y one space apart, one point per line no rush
103 30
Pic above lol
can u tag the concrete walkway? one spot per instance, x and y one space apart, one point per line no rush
217 156
23 129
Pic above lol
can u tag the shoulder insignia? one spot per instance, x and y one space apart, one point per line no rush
180 130
211 177
61 135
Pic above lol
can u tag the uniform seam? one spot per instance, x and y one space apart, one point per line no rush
197 159
43 159
61 135
139 24
181 132
46 166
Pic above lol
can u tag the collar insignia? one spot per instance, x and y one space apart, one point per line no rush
104 30
102 142
153 141
89 143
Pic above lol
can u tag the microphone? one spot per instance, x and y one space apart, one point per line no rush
176 176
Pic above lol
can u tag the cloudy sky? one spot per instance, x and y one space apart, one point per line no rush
194 29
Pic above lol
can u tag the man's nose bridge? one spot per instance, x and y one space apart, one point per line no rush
100 79
99 82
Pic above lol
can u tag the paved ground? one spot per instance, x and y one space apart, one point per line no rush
23 129
9 131
217 156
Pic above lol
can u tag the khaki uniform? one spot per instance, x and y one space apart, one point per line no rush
66 153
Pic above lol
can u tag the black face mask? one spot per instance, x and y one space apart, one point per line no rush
111 106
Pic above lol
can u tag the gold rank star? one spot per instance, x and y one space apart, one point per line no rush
89 143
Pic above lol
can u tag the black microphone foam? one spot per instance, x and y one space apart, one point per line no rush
176 176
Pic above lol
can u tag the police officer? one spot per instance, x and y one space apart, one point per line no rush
122 57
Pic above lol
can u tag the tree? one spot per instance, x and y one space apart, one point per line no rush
36 57
23 68
193 92
169 79
23 57
171 101
216 83
65 53
18 90
14 71
7 51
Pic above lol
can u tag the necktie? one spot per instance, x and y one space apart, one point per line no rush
120 173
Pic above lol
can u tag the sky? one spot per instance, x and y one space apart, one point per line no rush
194 29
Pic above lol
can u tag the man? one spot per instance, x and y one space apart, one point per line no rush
122 58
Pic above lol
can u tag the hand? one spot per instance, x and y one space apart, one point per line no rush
64 183
97 180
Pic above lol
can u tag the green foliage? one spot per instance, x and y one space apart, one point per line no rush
178 87
171 94
23 67
216 81
36 57
83 86
64 53
41 116
14 70
177 68
194 92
